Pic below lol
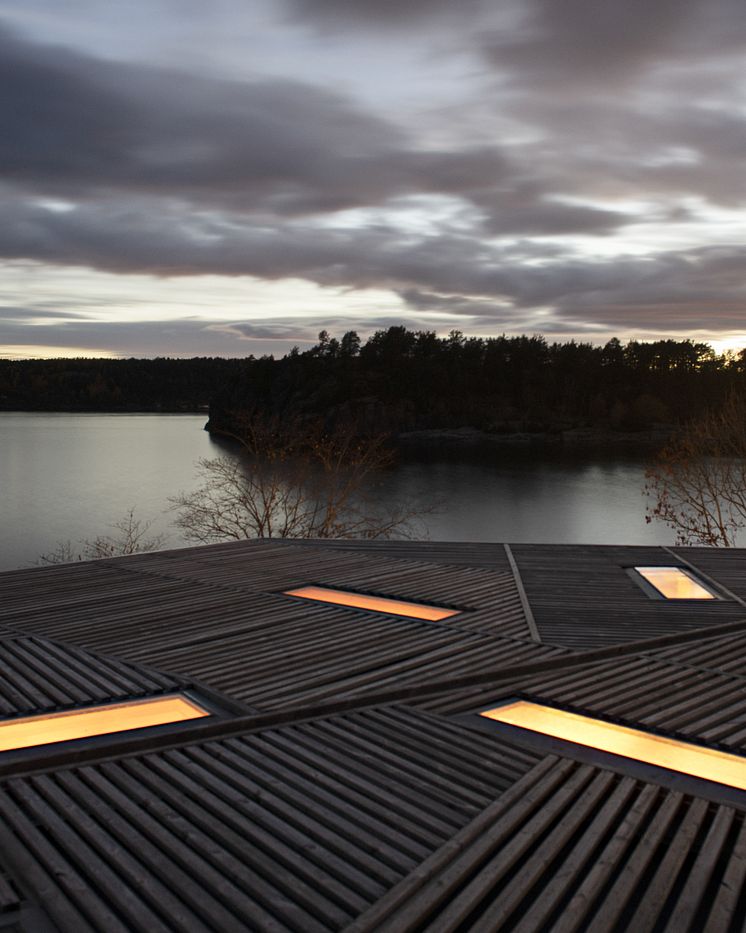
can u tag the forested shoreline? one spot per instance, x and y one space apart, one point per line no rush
400 381
106 385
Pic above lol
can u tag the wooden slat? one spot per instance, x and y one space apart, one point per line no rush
582 597
377 817
572 847
300 828
37 674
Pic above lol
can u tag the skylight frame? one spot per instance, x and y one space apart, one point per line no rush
705 785
373 603
70 726
654 592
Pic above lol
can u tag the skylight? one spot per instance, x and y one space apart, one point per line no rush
395 607
44 729
675 583
684 757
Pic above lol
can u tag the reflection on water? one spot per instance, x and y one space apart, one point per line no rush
69 476
524 496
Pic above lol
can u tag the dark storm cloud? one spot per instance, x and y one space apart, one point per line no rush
702 289
570 41
135 169
532 214
577 41
608 149
675 291
129 237
75 127
80 129
682 289
688 290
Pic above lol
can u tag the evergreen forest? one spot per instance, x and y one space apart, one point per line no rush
401 380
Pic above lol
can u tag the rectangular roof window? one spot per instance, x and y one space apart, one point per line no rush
685 757
395 607
675 583
29 731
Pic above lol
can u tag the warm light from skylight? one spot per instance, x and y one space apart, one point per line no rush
675 583
394 607
707 763
96 720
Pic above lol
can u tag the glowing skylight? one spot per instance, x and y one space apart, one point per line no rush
96 720
675 583
707 763
395 607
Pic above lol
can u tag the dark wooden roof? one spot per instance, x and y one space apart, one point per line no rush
298 828
573 847
347 784
39 675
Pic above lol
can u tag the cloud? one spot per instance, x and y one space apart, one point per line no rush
292 330
381 13
179 338
589 43
456 274
84 130
509 208
24 315
531 213
79 128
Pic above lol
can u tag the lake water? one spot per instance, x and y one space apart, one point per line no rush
69 476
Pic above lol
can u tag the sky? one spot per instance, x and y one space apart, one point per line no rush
180 178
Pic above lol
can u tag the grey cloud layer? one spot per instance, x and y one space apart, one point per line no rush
381 13
567 41
178 174
78 128
694 289
75 127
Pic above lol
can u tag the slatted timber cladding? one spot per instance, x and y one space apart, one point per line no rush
383 817
477 554
726 566
582 597
306 653
9 898
725 653
40 675
218 614
491 599
573 847
491 595
674 690
300 828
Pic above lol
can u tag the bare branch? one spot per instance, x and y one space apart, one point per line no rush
130 538
293 481
698 483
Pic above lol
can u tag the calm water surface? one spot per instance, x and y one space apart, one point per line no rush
69 476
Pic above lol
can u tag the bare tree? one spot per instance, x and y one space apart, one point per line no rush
697 484
293 481
131 537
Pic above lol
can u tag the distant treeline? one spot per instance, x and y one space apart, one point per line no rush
114 385
401 380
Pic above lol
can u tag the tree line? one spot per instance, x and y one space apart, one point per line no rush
170 385
402 380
